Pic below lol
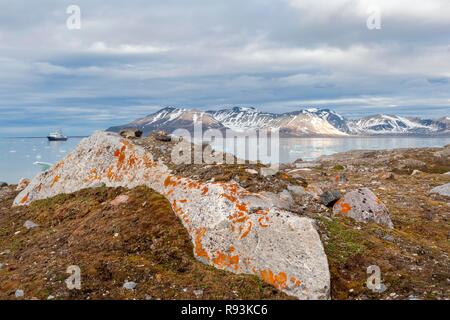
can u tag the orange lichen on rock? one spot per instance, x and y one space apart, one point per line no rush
225 261
199 250
276 280
263 221
55 180
247 230
132 160
241 207
120 154
24 199
169 182
148 162
345 207
93 175
229 197
296 282
110 173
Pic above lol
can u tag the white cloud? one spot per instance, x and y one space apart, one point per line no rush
101 47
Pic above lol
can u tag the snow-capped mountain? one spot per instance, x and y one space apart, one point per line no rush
391 124
307 122
241 119
303 122
170 119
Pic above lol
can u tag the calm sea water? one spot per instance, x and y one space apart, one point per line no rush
17 155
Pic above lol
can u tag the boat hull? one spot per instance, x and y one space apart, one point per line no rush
57 139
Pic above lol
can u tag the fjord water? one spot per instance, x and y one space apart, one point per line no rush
17 155
307 149
312 148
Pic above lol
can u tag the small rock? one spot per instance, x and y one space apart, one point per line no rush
251 171
131 133
267 172
30 224
447 173
123 198
3 184
198 293
297 190
19 293
363 206
443 190
304 165
50 297
286 166
416 172
314 190
297 173
129 285
388 176
1 266
329 198
23 183
282 200
162 136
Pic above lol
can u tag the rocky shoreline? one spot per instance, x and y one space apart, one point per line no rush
293 229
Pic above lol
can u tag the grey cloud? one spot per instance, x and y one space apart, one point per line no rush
130 58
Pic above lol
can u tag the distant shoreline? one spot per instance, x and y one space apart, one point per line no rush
302 137
73 137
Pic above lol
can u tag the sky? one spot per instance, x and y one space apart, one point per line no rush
131 58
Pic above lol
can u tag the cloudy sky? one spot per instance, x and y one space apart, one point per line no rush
132 57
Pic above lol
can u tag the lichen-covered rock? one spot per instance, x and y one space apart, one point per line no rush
364 206
23 183
442 190
231 228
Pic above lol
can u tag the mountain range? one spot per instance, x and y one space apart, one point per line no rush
306 122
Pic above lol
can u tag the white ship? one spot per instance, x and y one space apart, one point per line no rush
57 136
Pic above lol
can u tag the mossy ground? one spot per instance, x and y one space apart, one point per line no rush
414 256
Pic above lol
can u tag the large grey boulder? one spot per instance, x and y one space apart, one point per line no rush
364 206
230 227
443 190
